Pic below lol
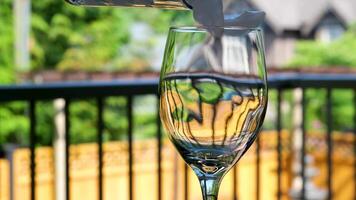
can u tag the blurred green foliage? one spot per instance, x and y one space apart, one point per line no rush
14 125
77 38
64 37
342 109
6 36
6 42
338 53
69 38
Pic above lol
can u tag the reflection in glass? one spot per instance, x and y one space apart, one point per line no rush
213 97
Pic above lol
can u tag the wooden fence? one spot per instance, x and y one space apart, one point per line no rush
84 166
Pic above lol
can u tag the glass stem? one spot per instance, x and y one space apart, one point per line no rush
210 187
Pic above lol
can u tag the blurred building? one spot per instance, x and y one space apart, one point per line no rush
290 20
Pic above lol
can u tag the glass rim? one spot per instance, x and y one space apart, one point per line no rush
205 29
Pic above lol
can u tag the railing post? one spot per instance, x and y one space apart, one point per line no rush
100 129
329 141
9 154
186 181
297 185
159 150
235 190
59 145
175 176
130 145
279 144
258 168
67 148
33 123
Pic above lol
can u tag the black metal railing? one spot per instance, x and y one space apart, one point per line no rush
131 88
327 82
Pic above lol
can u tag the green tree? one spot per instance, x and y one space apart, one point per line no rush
77 38
83 38
338 53
6 42
65 37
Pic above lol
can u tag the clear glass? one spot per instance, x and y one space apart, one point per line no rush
213 97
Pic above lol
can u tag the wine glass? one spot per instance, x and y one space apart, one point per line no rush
213 97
